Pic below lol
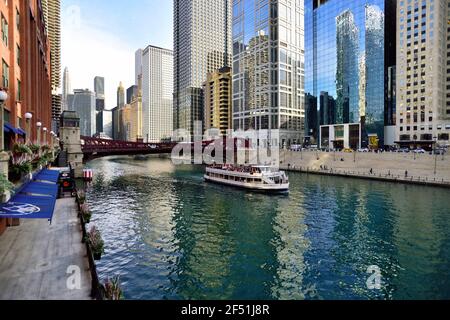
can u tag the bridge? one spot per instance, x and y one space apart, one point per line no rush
93 148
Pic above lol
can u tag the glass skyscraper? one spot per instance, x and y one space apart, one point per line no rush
268 67
349 50
202 33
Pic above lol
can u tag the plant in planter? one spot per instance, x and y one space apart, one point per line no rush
96 242
20 149
5 186
20 166
35 148
86 213
81 197
111 290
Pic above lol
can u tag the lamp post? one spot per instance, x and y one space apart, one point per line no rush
39 125
45 135
28 117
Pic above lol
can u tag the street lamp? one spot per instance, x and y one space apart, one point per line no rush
3 98
39 125
28 117
45 135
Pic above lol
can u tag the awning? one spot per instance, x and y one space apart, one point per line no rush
48 176
28 207
35 200
10 129
41 189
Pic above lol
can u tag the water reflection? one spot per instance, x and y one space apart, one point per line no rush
171 236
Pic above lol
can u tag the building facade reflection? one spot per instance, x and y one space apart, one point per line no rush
351 61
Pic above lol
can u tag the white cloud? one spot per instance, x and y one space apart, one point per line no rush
90 51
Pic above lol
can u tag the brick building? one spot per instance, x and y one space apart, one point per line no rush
24 67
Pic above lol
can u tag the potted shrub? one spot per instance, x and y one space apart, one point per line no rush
81 197
96 242
86 213
21 157
111 290
20 167
5 187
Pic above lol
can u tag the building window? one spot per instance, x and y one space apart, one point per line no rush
5 74
19 90
4 31
17 19
18 55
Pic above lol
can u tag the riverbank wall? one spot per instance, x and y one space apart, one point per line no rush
423 169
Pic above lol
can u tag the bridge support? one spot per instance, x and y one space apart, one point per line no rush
70 137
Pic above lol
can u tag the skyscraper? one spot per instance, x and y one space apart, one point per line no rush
423 73
218 100
52 17
83 102
120 95
66 89
132 92
350 48
157 94
99 89
268 67
202 30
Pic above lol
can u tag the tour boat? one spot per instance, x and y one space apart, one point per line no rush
256 178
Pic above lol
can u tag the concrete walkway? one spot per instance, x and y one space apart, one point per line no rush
36 256
388 166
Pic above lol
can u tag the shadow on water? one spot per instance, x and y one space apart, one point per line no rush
172 236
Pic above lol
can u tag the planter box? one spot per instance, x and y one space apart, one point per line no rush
13 222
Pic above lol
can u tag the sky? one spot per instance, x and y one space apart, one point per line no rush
100 37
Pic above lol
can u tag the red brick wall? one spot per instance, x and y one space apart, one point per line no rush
34 69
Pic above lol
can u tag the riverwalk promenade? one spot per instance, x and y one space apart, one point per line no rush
39 261
424 169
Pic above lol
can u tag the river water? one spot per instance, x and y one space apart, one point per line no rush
170 235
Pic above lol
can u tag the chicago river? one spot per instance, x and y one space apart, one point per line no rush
170 235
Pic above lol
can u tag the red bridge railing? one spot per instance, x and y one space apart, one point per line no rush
114 147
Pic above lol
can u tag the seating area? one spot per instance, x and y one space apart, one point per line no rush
35 199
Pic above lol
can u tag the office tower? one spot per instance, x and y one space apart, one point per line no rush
82 101
120 96
218 100
107 125
131 93
99 89
347 73
268 67
423 73
138 66
66 89
52 17
157 94
115 122
349 50
327 109
311 118
202 33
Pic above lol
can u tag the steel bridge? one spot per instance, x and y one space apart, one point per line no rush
93 148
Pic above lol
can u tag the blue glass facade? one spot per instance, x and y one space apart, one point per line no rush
346 61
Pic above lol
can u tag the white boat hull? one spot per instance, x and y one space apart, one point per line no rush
250 186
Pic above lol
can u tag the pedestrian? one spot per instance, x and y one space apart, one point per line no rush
371 171
406 174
